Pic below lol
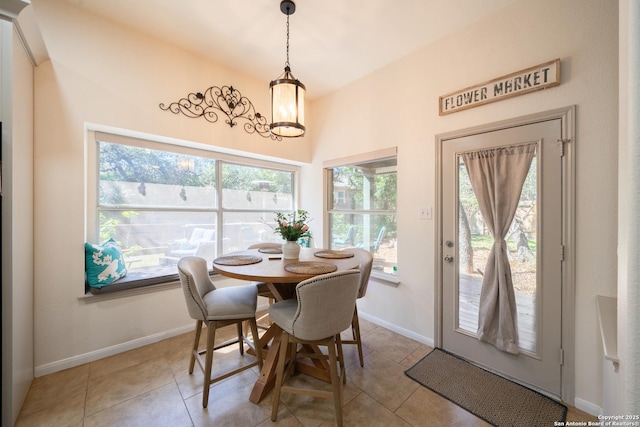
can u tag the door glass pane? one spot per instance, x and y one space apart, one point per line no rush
474 244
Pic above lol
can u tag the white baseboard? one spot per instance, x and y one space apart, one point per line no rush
404 332
588 407
81 359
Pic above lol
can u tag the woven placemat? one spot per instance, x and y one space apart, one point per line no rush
333 254
237 260
310 267
270 250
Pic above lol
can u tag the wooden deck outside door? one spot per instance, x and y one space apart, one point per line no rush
538 273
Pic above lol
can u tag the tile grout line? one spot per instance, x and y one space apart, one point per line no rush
86 395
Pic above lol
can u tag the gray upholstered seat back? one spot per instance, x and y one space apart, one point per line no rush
196 283
366 262
325 304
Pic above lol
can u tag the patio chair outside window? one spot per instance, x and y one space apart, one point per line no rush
349 239
376 244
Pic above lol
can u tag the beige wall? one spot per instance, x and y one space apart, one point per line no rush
104 74
398 106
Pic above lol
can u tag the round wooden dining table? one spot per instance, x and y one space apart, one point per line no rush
271 271
272 266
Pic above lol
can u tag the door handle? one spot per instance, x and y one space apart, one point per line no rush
448 258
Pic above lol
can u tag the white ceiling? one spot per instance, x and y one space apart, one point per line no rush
332 42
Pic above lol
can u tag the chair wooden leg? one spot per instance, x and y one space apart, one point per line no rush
240 340
343 371
293 355
289 343
196 343
211 336
284 344
355 325
335 383
256 341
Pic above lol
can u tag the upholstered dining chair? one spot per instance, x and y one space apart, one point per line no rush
323 307
218 307
366 262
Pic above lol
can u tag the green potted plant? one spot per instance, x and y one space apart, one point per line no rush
292 226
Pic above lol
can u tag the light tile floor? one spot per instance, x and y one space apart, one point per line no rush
150 386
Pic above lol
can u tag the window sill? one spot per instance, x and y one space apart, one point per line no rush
136 285
89 298
385 278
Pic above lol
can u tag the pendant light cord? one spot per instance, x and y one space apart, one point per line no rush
287 62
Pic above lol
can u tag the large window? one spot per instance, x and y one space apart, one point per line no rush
362 195
161 202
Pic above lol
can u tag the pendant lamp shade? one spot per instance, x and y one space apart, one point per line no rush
287 105
287 94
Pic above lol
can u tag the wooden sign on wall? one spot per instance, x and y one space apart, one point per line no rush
535 78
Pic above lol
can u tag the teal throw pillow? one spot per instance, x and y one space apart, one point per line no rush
104 264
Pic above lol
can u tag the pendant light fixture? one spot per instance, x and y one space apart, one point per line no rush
287 94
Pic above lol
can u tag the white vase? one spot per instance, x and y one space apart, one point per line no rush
290 250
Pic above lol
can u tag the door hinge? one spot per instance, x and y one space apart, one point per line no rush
561 356
561 252
561 143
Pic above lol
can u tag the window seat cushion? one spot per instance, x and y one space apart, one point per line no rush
139 278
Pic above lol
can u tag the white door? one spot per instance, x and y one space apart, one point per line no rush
535 249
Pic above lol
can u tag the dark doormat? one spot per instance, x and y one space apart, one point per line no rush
496 400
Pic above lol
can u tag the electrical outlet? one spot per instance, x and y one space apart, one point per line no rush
425 213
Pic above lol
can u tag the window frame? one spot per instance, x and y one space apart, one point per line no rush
327 168
220 155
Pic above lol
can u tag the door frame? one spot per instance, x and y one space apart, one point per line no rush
567 117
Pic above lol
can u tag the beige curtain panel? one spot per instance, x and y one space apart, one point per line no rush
497 176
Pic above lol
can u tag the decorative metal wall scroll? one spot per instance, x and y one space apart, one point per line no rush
227 100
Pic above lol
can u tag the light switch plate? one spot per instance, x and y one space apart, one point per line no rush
425 213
